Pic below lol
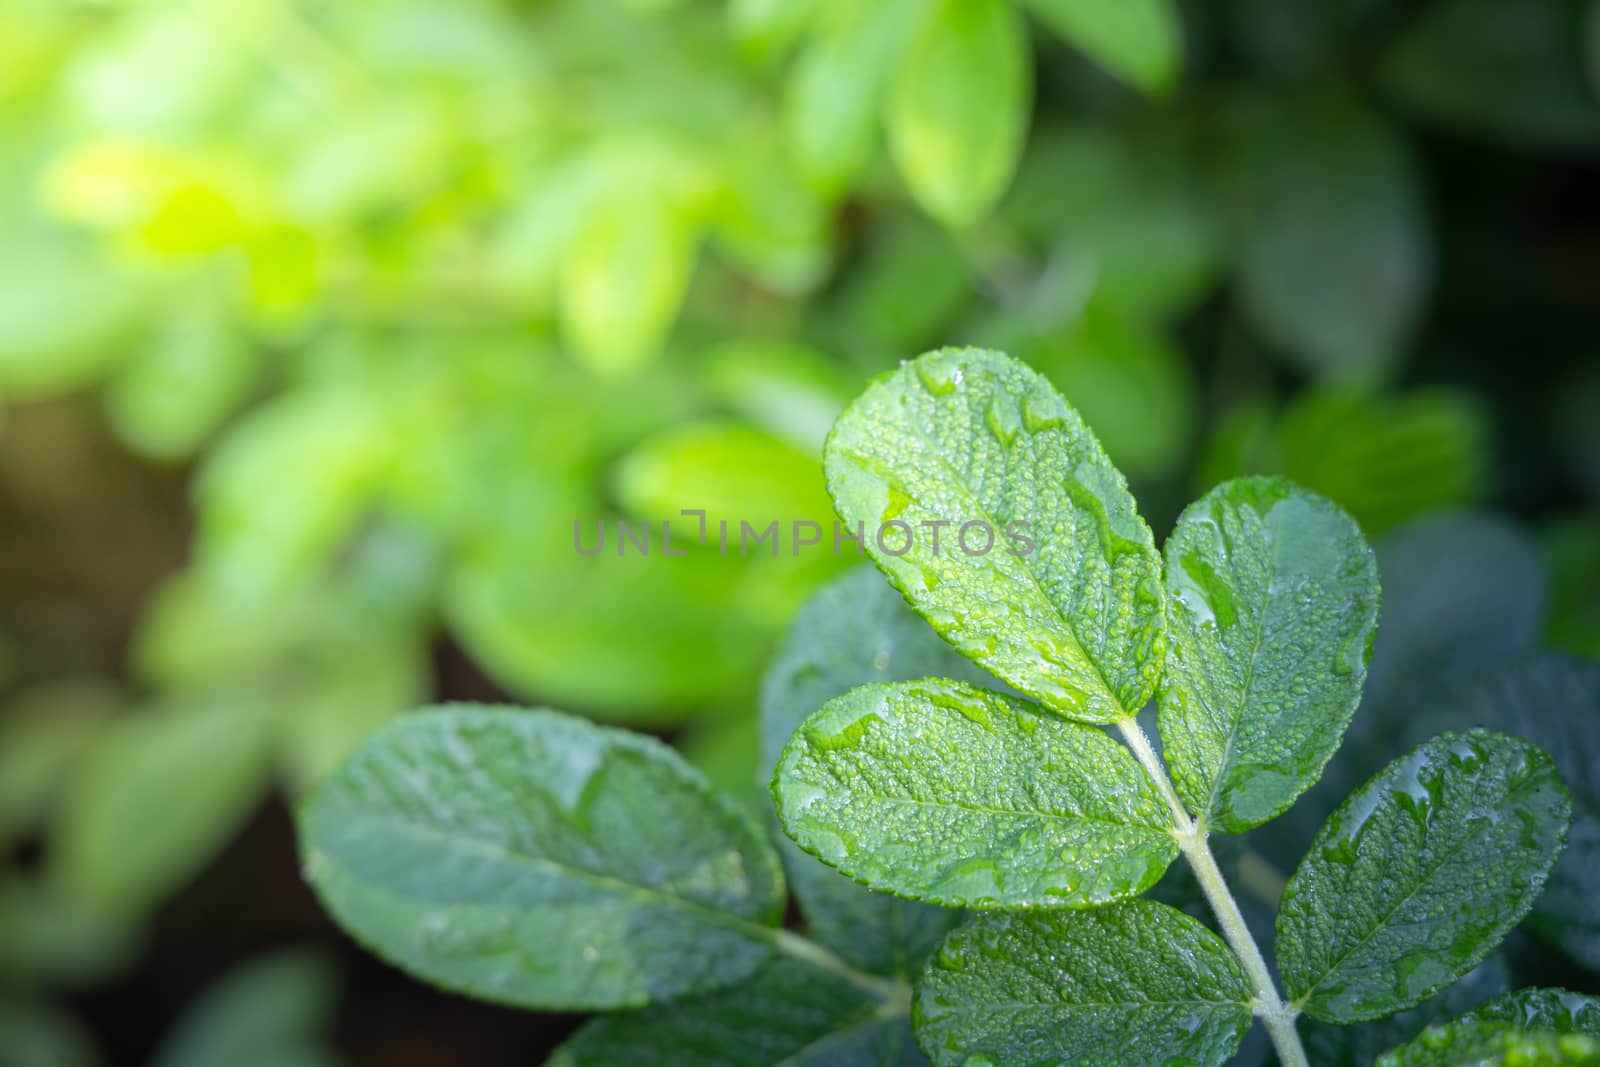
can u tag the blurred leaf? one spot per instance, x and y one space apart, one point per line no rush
958 111
62 317
624 278
1138 40
1572 553
1335 255
271 1012
1514 71
831 104
54 939
160 792
533 859
43 734
902 298
277 498
1287 40
1124 203
789 390
769 222
181 383
35 1035
765 28
731 472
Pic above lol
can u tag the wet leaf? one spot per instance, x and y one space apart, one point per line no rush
1065 602
937 791
1128 985
1272 606
958 110
789 1014
1358 1044
531 858
1492 1044
1556 1010
1419 875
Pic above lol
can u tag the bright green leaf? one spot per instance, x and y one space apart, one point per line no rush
1272 606
958 111
533 859
1065 602
1557 1010
1140 41
1137 984
937 791
789 1014
1419 875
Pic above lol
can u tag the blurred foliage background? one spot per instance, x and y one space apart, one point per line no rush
321 326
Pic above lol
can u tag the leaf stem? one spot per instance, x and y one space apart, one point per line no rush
894 993
1269 1006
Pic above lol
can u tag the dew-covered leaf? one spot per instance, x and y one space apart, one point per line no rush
1557 1010
937 791
1129 985
1140 41
1043 572
1272 604
1490 1043
788 1014
1358 1044
958 111
1419 874
1552 700
854 630
534 859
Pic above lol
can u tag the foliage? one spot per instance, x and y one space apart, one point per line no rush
530 858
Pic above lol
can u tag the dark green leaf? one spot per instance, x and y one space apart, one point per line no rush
1272 604
531 858
1357 1045
937 791
1556 1010
1335 259
1129 985
1419 875
1065 603
958 110
1139 40
788 1013
272 1012
1492 1044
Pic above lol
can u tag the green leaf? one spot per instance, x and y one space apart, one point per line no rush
162 790
788 1014
1140 41
533 859
36 1035
1465 1043
1513 71
1133 984
1335 258
272 1012
43 735
854 630
1272 606
1418 876
1552 700
1066 605
831 105
1556 1010
937 791
958 112
1357 1045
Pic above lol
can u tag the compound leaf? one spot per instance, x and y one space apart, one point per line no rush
958 113
1138 40
534 859
937 791
1272 605
1045 573
1419 874
1132 984
789 1013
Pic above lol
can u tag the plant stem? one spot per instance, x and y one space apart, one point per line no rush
1277 1016
894 993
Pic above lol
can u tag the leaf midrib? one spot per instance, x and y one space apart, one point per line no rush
1161 829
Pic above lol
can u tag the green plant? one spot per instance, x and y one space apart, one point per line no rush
533 859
